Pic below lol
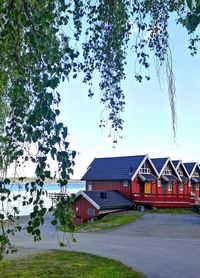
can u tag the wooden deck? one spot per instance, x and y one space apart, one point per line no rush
55 197
164 200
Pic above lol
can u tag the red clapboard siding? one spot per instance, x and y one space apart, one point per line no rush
111 185
83 205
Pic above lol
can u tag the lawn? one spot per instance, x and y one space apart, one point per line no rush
65 264
173 210
109 221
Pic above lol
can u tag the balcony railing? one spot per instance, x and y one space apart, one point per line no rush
150 198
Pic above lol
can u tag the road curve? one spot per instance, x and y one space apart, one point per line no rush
151 245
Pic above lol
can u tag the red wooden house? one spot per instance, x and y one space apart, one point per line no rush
183 185
193 170
90 205
127 174
137 179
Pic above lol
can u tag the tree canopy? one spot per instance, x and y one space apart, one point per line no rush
37 54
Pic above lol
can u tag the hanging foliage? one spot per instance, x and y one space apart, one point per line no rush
36 56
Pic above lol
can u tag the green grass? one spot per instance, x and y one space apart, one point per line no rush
107 222
65 264
173 210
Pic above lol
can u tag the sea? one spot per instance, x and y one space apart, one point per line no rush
16 189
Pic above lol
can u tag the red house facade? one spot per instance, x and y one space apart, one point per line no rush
193 170
150 182
183 185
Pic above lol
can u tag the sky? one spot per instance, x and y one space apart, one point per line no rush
147 127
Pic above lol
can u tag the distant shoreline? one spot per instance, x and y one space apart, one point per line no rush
47 181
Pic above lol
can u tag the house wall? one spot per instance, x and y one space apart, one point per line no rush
135 186
111 185
83 205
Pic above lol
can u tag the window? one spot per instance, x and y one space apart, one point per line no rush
197 186
90 212
180 172
169 186
89 187
181 186
195 174
145 169
125 183
159 183
76 208
167 171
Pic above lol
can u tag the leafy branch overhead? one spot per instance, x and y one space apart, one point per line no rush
37 53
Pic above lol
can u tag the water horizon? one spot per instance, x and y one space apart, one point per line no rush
16 189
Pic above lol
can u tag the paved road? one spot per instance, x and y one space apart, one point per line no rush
159 245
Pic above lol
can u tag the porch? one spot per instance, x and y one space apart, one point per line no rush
163 200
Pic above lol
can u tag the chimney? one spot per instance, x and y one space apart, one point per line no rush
103 195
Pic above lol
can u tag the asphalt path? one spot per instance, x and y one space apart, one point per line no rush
159 245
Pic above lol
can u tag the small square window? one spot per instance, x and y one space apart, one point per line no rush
90 212
125 183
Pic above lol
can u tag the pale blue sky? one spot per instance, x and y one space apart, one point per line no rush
147 116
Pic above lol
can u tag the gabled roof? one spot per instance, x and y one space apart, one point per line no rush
116 168
179 163
161 163
176 163
190 167
112 199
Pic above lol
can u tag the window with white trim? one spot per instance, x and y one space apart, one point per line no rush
145 169
195 174
89 187
181 185
125 183
169 186
167 171
159 183
180 172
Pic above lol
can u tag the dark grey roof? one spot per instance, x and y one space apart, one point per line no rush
113 200
196 179
189 166
169 178
184 179
113 168
175 162
147 177
159 163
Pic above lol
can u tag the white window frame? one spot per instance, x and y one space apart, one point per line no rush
159 183
195 174
180 172
181 186
167 171
169 186
125 183
145 169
